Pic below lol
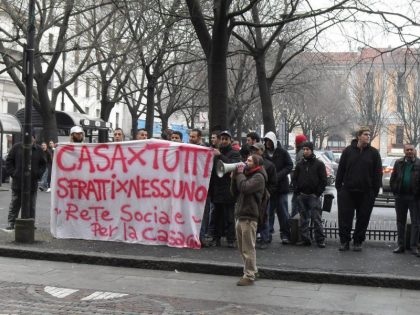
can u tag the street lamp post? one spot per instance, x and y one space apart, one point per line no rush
24 227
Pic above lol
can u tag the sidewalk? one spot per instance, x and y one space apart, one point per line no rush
376 265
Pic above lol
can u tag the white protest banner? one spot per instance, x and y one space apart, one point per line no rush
147 192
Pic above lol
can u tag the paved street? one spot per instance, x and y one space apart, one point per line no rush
43 287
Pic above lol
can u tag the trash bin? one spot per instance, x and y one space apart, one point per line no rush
327 203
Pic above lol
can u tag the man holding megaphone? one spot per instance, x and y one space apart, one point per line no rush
224 202
248 184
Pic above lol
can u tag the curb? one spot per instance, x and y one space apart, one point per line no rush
205 267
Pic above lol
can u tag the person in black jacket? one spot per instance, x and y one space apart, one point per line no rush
358 180
258 148
405 186
222 199
14 168
279 199
310 180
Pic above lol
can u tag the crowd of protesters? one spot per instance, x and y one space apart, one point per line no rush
262 167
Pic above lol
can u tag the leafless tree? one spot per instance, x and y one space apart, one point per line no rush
57 31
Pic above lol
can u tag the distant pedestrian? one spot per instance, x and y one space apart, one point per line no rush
405 185
142 134
219 190
299 140
358 181
14 163
249 184
279 199
77 134
310 180
176 136
119 135
264 230
46 177
196 137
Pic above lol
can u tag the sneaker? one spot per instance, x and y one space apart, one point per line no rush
10 227
48 190
399 250
245 282
321 244
41 188
285 241
357 247
344 247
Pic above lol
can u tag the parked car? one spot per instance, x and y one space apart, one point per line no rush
387 168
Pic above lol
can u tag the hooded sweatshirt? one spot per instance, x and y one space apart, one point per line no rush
282 161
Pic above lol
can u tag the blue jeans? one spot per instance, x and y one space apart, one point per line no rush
279 203
310 209
44 179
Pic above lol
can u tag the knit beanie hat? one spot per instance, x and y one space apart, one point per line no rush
308 145
299 139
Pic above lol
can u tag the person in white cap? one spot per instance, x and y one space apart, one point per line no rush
77 134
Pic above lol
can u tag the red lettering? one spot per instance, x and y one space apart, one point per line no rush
84 215
71 209
59 157
62 191
179 218
136 156
98 153
85 157
99 230
145 234
166 159
145 188
126 215
119 156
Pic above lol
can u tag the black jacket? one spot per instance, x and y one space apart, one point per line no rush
272 175
284 165
397 176
310 176
359 169
219 188
14 165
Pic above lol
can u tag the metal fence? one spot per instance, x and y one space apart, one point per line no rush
385 230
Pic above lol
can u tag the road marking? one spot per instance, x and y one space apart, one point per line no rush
59 292
98 295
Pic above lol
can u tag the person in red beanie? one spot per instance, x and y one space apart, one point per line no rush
299 141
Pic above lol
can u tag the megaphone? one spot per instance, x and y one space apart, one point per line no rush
223 168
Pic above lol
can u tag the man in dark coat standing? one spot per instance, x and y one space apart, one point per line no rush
224 202
279 199
405 186
14 162
358 180
310 180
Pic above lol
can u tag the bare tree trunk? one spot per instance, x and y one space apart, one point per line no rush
266 102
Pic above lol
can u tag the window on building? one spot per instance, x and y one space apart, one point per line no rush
400 91
399 135
76 57
117 119
76 87
87 87
51 41
98 113
369 93
12 107
87 110
98 89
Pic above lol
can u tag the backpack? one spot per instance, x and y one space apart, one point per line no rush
262 209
